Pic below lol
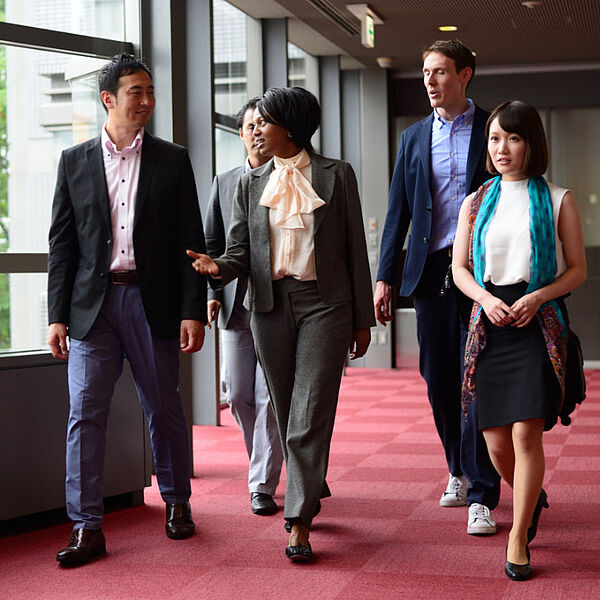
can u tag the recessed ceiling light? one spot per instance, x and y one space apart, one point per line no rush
531 3
448 28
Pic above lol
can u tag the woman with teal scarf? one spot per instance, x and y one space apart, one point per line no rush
518 250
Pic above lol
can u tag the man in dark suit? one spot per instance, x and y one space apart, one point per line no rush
120 284
243 380
441 160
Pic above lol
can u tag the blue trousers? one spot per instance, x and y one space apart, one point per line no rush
442 338
95 363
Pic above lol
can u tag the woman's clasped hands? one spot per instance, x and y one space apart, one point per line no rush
517 315
204 264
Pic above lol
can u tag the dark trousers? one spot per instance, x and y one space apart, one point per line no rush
442 337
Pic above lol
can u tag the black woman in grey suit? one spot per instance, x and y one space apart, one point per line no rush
297 231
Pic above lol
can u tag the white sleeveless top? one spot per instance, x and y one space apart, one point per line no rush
508 242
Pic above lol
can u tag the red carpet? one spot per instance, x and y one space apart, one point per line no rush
381 535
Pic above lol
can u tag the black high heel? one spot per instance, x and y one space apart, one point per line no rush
541 503
517 572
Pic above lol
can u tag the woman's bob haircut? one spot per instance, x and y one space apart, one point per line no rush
524 120
294 109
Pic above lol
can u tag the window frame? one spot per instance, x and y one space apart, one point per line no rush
35 38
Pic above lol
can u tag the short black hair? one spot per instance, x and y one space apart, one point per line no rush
523 119
119 66
294 109
251 104
455 50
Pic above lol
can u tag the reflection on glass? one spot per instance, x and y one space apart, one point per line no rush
229 150
48 102
230 58
296 65
23 312
98 18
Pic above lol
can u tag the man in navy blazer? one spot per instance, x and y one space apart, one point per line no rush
120 284
243 380
441 159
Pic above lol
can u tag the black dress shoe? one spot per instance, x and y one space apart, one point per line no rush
541 503
299 553
517 572
84 545
262 504
288 526
179 523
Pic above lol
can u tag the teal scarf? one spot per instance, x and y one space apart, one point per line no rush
541 229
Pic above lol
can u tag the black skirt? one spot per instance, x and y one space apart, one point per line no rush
514 379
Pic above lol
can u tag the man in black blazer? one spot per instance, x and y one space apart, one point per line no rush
242 378
441 160
119 284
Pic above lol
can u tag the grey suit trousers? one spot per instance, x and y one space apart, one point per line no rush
302 345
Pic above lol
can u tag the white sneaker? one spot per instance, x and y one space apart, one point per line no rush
481 521
456 492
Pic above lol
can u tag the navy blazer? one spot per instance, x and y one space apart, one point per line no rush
167 221
410 199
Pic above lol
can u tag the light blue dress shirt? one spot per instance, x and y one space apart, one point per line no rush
449 152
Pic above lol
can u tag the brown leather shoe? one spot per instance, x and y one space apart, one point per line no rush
179 523
84 545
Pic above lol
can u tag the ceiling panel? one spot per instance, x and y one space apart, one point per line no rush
501 32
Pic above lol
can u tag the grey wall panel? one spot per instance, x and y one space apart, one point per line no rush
200 136
274 37
34 408
331 106
351 140
374 136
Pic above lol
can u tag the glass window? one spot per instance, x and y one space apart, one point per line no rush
230 58
229 149
97 18
296 66
48 102
23 312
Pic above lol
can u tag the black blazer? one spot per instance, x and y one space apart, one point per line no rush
410 199
341 261
167 221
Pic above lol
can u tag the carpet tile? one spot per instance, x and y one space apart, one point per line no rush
382 534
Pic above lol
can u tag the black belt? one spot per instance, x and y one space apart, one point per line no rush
121 277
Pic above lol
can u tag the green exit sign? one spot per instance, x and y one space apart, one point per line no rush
368 31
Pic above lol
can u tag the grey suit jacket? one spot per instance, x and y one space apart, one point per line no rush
218 217
341 261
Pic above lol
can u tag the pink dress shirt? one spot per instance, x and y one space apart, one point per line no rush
122 172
